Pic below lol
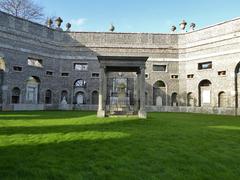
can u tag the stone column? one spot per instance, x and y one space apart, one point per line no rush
142 111
137 92
102 93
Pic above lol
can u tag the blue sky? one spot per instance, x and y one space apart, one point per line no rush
140 15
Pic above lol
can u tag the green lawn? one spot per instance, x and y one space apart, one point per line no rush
77 145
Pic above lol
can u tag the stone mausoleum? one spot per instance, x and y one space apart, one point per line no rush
42 68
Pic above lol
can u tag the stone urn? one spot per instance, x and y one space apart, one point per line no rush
58 22
183 25
192 26
112 28
174 28
68 26
49 23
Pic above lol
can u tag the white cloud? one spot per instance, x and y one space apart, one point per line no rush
78 22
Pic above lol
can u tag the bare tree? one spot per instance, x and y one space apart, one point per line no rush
26 9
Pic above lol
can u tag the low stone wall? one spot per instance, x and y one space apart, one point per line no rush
50 107
65 107
28 107
6 107
201 110
86 107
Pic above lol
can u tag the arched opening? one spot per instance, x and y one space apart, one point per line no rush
80 83
190 99
159 93
222 99
16 95
48 97
204 89
174 100
80 98
237 87
64 97
95 97
32 95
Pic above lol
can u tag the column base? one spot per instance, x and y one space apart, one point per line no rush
142 114
101 114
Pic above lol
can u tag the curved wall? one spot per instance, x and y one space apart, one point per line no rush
181 53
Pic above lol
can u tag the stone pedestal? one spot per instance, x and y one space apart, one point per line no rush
101 113
142 114
65 107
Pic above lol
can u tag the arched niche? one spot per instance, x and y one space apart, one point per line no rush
16 92
190 99
159 93
95 97
222 99
80 98
205 93
32 90
48 97
174 99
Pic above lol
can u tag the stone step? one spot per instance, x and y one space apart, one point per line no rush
121 113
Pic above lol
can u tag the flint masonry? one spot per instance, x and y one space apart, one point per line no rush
42 68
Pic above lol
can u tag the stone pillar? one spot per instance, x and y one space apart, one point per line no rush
137 93
142 111
102 93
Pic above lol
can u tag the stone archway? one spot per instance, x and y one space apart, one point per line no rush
122 64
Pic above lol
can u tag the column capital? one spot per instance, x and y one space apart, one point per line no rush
102 66
140 69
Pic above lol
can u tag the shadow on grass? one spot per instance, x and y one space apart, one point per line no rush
166 146
104 158
99 126
138 155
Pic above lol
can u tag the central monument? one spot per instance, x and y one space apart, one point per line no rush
119 97
117 100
